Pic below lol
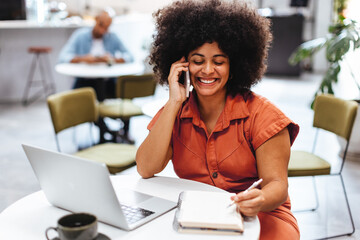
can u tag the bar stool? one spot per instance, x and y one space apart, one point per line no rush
41 59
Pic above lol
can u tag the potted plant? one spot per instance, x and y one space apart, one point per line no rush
343 37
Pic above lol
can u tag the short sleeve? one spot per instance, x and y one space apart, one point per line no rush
155 118
266 121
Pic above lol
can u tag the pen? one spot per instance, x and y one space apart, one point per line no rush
255 184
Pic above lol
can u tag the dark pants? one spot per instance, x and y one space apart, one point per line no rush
104 88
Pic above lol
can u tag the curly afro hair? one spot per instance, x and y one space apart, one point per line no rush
241 33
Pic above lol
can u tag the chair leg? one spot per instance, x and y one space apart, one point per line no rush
48 85
349 211
103 129
51 82
126 128
316 199
124 137
348 205
43 76
57 143
316 194
29 80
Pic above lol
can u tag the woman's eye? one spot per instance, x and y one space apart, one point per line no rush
198 62
218 63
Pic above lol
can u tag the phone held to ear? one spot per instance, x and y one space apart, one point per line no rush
185 80
187 83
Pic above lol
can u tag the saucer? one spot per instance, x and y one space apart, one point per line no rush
100 236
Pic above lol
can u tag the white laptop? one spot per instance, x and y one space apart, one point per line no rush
80 185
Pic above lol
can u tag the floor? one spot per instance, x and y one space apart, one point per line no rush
32 125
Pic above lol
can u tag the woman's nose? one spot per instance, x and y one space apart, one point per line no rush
208 68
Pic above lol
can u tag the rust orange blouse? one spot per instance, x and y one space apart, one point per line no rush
226 157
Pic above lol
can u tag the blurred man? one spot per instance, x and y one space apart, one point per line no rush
94 45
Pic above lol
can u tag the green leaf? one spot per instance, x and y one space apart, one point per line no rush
357 44
336 28
307 49
338 47
330 77
333 72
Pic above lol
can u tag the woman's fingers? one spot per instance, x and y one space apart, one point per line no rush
249 203
176 70
177 90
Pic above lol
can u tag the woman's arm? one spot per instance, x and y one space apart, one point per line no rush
155 152
272 162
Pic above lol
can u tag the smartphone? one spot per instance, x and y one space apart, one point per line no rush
185 80
187 83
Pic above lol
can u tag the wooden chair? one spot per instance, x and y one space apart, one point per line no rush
74 107
334 115
127 88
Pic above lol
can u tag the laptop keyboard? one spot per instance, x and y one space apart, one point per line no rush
134 214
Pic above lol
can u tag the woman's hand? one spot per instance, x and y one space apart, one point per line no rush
156 150
177 92
249 203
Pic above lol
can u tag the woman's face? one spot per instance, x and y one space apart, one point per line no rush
209 69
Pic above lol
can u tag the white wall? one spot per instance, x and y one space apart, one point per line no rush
15 60
123 6
323 20
135 30
317 14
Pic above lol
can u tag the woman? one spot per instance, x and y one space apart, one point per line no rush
223 134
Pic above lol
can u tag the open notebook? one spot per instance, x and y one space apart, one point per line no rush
207 212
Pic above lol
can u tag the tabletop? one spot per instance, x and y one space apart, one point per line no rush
30 216
99 70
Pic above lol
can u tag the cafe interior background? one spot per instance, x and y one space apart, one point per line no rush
50 23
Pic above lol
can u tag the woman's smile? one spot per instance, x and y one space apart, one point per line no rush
207 80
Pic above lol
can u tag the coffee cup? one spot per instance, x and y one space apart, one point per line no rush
77 226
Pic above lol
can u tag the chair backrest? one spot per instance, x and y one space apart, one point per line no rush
70 108
132 86
335 115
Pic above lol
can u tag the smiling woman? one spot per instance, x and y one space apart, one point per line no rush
209 70
223 134
183 28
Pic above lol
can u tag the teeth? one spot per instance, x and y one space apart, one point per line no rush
207 81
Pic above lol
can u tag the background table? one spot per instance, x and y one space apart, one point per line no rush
99 70
30 216
97 74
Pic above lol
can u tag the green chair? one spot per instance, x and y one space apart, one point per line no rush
127 88
74 107
334 115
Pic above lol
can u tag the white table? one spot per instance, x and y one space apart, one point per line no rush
30 216
99 70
